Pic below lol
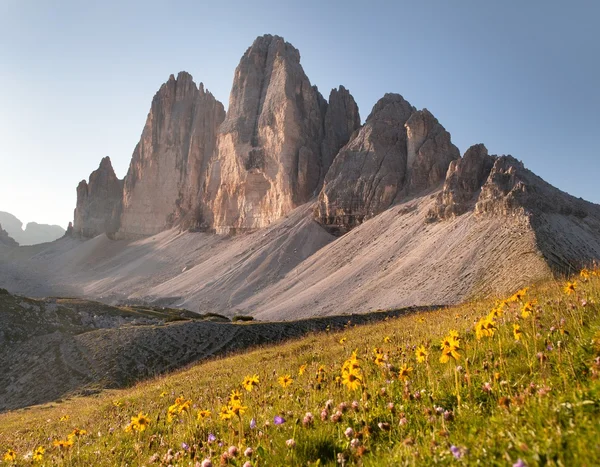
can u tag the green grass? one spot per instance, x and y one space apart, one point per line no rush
536 399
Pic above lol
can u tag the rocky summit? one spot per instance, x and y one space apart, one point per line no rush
330 214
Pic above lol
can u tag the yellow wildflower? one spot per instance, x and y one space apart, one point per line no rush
138 423
38 454
387 339
343 340
528 308
519 296
225 413
202 414
352 379
10 456
450 346
570 287
405 372
585 273
517 332
285 380
62 444
77 433
485 327
301 370
421 354
250 382
238 409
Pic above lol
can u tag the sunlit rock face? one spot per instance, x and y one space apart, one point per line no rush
168 166
98 202
277 140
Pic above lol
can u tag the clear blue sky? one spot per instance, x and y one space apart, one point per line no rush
77 79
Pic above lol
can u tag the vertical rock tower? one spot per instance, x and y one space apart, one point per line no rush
168 165
98 207
199 168
270 157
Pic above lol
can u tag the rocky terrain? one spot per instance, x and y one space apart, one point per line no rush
5 239
80 347
322 214
33 233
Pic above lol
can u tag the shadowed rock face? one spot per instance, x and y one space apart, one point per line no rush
5 239
463 181
366 175
342 119
168 166
429 152
99 202
398 152
268 159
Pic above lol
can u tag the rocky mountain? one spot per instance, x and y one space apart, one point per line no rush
332 214
199 168
168 167
5 239
277 141
33 233
99 202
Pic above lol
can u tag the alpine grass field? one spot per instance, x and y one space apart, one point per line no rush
511 381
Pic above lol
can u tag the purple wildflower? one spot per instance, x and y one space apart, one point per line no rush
278 420
520 463
185 446
456 451
211 438
253 423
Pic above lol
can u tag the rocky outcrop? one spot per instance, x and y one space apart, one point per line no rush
501 186
429 152
269 146
5 239
366 175
168 166
464 179
342 119
99 202
398 152
512 189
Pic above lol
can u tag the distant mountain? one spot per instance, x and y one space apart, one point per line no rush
5 239
33 234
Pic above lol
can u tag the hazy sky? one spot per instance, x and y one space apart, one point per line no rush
77 79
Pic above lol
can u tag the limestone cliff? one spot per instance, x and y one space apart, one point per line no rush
464 179
98 202
398 152
168 165
271 152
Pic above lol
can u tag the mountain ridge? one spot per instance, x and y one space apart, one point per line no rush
248 211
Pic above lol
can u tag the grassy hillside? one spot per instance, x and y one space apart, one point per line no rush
497 382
